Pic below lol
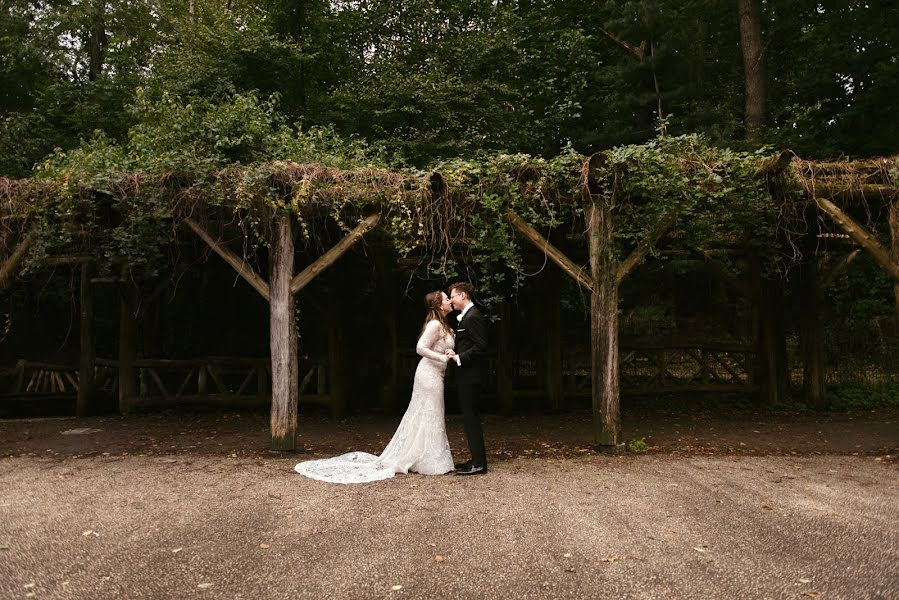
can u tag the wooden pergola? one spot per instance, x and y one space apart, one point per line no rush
833 191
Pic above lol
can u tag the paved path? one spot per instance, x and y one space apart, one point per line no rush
650 526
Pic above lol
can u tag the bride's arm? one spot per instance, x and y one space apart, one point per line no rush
428 337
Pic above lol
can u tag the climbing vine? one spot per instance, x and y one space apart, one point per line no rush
238 163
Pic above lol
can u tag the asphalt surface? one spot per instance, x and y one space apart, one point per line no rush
633 526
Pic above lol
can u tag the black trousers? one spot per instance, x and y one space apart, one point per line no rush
469 399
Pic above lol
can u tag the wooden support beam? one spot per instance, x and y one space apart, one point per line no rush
127 348
16 257
604 325
717 268
86 352
387 294
549 324
327 259
551 251
57 261
894 250
283 341
842 193
337 384
861 236
811 328
775 164
639 254
242 268
838 269
505 359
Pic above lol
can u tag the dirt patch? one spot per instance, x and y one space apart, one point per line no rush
531 435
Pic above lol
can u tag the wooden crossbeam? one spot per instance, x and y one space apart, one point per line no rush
242 268
554 254
303 279
862 236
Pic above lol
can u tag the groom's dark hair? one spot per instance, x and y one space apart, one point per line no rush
463 286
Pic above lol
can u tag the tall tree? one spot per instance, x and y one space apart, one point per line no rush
753 49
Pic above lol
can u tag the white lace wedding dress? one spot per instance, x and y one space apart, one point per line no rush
420 443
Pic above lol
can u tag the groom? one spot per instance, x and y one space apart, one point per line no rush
471 345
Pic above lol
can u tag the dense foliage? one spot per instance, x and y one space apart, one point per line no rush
434 79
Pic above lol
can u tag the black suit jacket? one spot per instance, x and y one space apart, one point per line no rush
471 346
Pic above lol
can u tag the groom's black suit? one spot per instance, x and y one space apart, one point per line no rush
471 347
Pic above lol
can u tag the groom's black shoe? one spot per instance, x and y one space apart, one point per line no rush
472 470
465 465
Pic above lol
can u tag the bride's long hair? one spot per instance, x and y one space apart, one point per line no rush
433 300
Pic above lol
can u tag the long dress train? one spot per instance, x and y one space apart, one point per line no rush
420 443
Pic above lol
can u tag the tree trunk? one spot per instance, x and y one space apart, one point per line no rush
86 362
97 40
283 341
127 348
604 325
753 68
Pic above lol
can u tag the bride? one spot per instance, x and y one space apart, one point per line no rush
420 443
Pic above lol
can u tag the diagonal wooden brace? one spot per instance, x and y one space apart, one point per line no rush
554 254
244 270
327 259
860 235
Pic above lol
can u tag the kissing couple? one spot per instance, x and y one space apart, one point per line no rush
420 443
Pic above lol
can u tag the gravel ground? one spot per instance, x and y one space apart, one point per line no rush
231 526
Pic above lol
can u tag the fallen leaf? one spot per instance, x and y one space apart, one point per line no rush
439 558
395 588
766 507
811 594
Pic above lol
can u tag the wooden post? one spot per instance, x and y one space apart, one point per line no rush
337 385
894 250
550 355
505 359
127 348
386 294
283 341
811 330
604 324
86 362
770 371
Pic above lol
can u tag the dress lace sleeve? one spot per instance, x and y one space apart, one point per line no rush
427 340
